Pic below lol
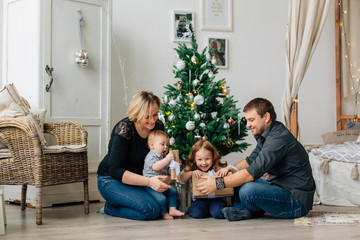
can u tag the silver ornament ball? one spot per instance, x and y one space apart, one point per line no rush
199 99
190 125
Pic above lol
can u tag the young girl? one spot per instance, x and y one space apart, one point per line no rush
202 158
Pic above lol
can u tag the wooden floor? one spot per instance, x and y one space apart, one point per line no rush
69 222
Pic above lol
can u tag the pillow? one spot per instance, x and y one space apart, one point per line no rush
340 137
39 117
358 140
11 105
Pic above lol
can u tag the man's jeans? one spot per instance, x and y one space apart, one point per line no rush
127 201
261 196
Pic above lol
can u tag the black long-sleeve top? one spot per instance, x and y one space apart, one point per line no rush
126 150
285 160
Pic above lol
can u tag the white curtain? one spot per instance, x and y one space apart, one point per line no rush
306 19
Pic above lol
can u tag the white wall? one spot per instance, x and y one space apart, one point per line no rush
143 29
1 39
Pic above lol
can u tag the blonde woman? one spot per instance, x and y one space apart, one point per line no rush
120 179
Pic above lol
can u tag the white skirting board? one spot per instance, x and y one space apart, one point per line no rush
337 187
65 193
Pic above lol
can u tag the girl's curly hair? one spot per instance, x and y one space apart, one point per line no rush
191 163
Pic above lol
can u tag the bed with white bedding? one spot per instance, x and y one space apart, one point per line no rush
336 173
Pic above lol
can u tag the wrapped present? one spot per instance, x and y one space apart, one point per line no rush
226 192
175 165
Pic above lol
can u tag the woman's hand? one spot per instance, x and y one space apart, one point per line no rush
157 183
223 172
166 179
197 173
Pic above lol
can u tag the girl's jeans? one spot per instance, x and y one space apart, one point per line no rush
261 196
127 201
205 207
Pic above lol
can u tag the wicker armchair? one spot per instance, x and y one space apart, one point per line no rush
30 164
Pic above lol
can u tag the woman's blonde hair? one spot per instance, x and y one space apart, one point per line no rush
140 105
191 163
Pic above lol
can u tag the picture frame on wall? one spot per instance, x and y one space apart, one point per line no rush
220 53
217 15
181 28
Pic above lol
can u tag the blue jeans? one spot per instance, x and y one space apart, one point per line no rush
205 207
170 195
127 201
260 196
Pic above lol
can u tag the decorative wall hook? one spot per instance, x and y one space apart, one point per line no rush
82 56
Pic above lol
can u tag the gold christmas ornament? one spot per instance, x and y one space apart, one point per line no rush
229 144
226 91
231 121
179 85
194 59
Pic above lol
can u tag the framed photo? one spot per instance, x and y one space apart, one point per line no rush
220 53
181 31
217 15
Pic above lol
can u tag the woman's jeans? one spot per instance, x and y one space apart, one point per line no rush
127 201
260 196
166 199
205 207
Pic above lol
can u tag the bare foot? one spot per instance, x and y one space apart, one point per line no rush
167 216
176 213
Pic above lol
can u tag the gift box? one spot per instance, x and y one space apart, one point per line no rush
226 192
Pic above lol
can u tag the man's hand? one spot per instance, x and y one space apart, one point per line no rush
208 186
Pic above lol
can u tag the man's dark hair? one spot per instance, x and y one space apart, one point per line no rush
262 106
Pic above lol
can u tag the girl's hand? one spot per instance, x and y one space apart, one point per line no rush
197 173
157 183
223 172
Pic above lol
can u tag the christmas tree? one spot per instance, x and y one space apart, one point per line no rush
198 107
